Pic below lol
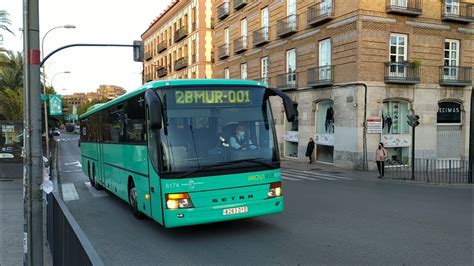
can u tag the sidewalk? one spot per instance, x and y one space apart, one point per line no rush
11 222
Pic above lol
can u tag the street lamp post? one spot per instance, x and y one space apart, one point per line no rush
67 26
62 72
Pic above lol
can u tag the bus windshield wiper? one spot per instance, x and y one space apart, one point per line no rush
251 160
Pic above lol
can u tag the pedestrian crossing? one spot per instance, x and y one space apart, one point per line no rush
68 139
304 175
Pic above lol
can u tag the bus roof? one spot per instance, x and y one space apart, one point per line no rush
170 83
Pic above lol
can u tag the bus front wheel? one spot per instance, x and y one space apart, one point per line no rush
133 200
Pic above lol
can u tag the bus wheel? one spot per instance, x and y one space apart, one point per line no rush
94 178
89 172
133 200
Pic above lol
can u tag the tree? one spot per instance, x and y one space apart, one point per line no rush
83 108
11 105
11 70
4 23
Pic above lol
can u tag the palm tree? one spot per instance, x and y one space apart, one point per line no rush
4 23
11 70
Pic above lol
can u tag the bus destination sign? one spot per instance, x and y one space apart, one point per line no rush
202 97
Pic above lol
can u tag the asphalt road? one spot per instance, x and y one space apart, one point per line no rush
346 220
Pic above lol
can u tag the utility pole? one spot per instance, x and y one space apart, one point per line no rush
33 162
471 140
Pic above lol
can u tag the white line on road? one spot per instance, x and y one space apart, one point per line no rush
72 171
289 178
300 177
323 176
69 192
76 163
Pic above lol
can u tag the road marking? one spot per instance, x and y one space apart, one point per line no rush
76 163
96 193
72 171
301 177
289 178
310 175
69 192
299 173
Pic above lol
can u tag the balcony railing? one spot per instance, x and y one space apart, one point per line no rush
238 4
180 33
287 26
193 58
148 56
287 81
261 36
148 77
458 11
223 10
320 13
320 76
161 46
455 76
240 44
180 63
223 51
162 71
405 7
402 73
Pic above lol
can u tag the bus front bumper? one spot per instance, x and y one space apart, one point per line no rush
183 217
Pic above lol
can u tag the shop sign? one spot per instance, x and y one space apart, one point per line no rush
374 125
449 113
8 128
393 141
324 139
291 136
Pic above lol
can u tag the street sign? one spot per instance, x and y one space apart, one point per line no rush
374 125
55 104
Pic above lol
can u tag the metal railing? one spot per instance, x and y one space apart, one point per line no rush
238 4
459 12
180 63
402 73
261 36
67 242
161 46
320 76
180 33
240 44
431 171
407 7
455 76
223 51
148 56
223 10
287 81
287 26
193 58
320 13
162 71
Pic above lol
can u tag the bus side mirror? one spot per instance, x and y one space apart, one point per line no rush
154 108
290 106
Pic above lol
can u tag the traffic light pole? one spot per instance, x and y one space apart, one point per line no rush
413 153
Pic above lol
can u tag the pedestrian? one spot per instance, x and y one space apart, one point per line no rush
310 149
380 156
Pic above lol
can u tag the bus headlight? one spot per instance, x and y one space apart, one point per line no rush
275 190
178 201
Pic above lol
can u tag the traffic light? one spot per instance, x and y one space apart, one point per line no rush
413 120
138 53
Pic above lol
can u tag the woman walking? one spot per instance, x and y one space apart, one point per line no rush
310 149
380 156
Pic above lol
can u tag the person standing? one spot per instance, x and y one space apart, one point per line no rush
310 149
380 157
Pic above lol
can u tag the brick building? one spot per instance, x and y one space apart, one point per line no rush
349 62
104 92
178 44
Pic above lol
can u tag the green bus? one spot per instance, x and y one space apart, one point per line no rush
186 152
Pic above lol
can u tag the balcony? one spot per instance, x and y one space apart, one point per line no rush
261 36
286 81
405 7
180 63
240 45
320 13
223 51
162 71
148 77
180 33
238 4
455 76
320 76
287 26
402 73
264 80
161 46
458 12
148 56
223 10
193 58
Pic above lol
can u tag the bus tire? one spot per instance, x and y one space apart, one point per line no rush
94 178
133 200
89 172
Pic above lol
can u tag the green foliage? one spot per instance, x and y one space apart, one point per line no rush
5 21
11 105
416 64
11 70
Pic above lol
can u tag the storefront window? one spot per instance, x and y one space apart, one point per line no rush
394 118
291 138
325 117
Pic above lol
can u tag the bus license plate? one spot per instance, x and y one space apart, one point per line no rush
237 210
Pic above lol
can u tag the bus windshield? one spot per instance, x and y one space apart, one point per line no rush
213 126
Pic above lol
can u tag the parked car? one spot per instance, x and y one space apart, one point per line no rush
56 133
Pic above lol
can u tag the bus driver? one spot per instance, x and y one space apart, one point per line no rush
241 141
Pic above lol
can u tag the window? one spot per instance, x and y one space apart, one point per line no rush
291 66
451 59
264 69
291 13
398 54
265 23
226 73
243 27
452 7
326 6
226 36
399 3
394 118
325 59
243 71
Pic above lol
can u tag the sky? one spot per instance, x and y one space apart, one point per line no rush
96 21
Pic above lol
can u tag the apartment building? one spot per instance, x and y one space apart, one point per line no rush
357 69
178 44
104 92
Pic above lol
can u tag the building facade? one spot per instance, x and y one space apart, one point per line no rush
178 44
103 93
356 70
